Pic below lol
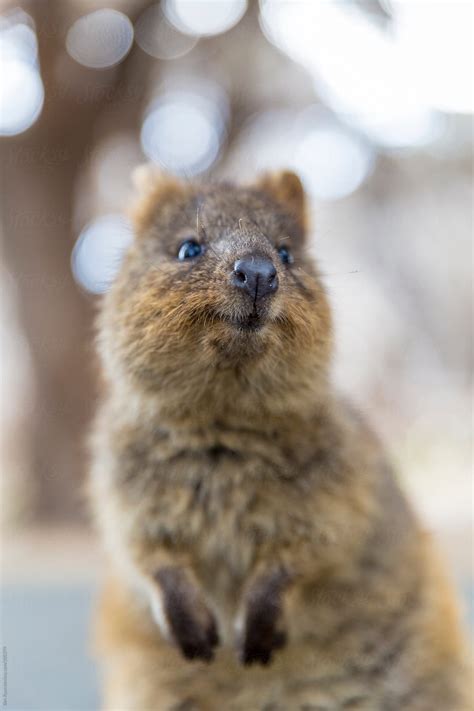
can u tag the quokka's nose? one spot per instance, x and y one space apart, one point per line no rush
256 276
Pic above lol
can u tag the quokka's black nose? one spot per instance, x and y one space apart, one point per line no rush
255 275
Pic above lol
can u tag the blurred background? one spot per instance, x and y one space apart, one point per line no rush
370 101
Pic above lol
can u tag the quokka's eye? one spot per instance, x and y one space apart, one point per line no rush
189 249
285 255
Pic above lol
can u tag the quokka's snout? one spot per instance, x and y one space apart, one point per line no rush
255 276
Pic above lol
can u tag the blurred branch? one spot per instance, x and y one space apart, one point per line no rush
41 169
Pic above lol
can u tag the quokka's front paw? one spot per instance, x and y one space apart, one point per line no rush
192 625
263 631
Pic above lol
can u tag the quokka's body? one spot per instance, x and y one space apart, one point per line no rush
262 556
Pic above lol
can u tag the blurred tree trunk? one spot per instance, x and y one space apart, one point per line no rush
40 173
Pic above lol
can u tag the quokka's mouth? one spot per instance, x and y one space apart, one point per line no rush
251 323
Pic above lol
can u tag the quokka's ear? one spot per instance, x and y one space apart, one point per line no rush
145 176
286 188
153 188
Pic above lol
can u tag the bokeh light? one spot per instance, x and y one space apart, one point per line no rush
19 38
332 163
157 36
21 96
267 141
444 73
358 69
183 130
21 88
205 17
100 39
99 250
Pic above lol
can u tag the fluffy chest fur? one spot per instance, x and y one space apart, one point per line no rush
227 498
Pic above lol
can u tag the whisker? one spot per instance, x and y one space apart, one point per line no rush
199 226
326 274
212 249
250 219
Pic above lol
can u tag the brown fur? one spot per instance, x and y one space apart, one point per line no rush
231 483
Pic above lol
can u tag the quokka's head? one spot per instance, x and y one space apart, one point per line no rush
218 280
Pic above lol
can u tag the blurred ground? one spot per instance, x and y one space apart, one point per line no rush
46 637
